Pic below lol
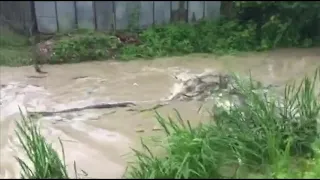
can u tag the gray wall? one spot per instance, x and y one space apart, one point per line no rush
54 16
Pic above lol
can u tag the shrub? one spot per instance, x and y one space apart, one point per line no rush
84 47
204 37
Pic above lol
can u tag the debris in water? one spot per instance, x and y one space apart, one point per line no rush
153 108
156 128
140 130
80 77
197 86
93 106
37 77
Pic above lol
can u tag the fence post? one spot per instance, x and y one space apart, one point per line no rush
76 15
95 15
34 28
57 18
153 12
114 24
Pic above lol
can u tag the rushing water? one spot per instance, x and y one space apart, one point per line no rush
98 139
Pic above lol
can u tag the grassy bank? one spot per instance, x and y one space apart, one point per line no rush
219 37
254 26
14 49
264 138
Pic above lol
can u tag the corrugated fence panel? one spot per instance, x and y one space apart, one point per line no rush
85 15
126 11
146 14
212 9
46 16
104 15
66 15
18 15
108 15
195 10
162 12
26 13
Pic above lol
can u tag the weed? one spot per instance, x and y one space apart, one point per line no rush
45 161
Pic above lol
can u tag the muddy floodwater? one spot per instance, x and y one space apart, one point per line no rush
99 140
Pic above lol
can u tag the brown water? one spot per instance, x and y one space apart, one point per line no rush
98 139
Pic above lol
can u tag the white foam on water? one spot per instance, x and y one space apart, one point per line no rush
14 95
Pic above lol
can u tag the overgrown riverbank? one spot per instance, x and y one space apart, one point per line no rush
256 27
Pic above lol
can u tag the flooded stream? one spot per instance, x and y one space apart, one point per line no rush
98 139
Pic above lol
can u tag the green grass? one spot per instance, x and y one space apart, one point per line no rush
265 137
14 49
15 56
45 161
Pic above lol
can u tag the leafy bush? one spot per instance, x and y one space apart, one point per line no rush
206 36
84 47
263 137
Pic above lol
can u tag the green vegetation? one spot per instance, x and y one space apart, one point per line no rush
44 159
256 26
262 138
14 49
284 24
91 46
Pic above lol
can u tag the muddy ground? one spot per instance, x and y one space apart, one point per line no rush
100 140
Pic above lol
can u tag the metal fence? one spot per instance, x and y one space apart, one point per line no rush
63 16
54 16
17 15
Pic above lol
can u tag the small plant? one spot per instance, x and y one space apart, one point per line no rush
45 161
